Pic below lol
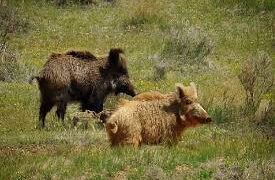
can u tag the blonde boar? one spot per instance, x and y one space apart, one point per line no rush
152 117
148 96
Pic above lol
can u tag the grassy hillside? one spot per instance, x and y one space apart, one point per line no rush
165 42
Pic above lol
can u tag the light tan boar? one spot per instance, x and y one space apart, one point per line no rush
152 117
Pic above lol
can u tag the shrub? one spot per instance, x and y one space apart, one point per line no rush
187 46
145 12
11 22
11 69
257 79
159 68
155 173
159 71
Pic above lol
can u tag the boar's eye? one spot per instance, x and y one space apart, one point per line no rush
188 101
116 76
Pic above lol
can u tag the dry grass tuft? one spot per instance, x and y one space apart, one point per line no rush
185 46
257 78
155 173
145 12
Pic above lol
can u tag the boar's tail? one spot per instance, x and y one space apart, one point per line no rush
112 127
32 78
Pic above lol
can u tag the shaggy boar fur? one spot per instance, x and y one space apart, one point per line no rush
149 96
153 117
85 55
82 77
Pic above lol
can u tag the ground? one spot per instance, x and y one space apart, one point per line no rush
230 147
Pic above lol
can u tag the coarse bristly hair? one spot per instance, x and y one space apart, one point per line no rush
85 55
152 117
80 76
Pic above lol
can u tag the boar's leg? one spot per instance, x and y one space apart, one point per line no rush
92 103
45 107
96 106
61 110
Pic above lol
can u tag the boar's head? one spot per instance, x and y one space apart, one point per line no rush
116 73
190 111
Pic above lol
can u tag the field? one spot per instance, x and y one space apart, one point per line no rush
208 42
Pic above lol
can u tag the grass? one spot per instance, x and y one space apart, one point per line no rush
141 28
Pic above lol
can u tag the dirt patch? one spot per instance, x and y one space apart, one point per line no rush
254 170
28 150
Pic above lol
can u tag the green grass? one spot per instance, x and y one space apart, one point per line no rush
63 152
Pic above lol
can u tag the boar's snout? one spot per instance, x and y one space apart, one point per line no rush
129 90
208 120
200 114
123 85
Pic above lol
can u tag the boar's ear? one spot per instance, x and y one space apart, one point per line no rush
114 54
194 90
112 127
180 91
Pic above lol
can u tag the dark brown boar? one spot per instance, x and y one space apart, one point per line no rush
80 76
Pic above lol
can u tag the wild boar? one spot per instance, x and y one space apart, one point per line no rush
152 117
82 77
